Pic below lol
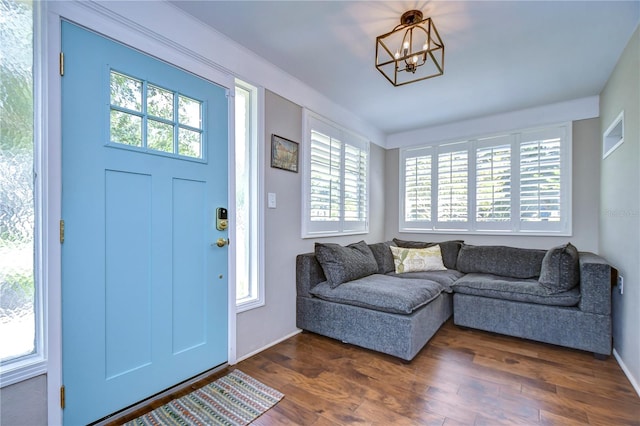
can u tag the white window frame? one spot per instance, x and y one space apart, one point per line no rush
35 364
472 226
256 297
341 226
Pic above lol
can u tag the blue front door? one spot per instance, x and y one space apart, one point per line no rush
144 167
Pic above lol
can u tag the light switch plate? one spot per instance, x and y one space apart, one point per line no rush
271 200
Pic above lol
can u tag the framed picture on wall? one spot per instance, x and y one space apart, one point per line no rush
284 154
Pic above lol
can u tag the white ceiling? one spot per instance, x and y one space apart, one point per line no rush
499 56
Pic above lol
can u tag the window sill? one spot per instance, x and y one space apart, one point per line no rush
249 305
20 370
333 234
493 232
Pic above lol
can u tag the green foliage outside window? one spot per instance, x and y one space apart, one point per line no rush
17 213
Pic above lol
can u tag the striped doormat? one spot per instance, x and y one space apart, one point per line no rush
235 399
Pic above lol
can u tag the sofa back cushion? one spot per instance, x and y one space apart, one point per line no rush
341 264
560 269
500 260
449 249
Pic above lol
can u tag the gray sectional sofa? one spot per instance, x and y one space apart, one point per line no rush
353 294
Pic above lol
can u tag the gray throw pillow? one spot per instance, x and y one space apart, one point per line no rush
449 249
341 264
383 256
560 269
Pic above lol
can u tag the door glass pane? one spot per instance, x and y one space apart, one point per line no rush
189 112
126 128
159 136
159 102
17 216
189 143
126 92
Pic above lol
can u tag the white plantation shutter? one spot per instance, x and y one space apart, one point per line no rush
493 183
417 188
542 192
326 158
355 187
335 194
517 183
453 177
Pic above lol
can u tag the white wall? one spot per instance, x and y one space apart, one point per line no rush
586 167
263 326
24 403
620 205
577 109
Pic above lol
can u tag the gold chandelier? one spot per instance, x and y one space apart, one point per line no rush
413 51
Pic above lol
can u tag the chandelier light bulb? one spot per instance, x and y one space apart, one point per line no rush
415 59
396 55
405 47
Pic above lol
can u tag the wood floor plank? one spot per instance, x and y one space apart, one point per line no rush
461 377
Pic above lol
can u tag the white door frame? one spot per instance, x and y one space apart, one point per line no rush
150 40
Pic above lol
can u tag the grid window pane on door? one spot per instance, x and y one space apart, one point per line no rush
144 115
493 184
418 188
325 191
452 186
540 180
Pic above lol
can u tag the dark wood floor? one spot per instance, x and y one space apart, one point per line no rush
461 377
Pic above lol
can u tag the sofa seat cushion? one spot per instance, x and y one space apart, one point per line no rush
382 293
520 290
444 278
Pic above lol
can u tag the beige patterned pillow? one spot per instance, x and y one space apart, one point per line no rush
417 260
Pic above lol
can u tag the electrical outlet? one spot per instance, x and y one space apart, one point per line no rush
621 284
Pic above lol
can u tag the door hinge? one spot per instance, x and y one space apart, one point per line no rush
62 397
61 64
61 231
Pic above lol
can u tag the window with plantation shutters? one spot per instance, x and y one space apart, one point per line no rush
453 171
326 160
417 183
355 185
542 190
516 183
493 183
335 194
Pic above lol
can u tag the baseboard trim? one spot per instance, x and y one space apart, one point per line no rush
187 383
626 371
257 351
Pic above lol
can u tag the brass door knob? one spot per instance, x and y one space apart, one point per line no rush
222 242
